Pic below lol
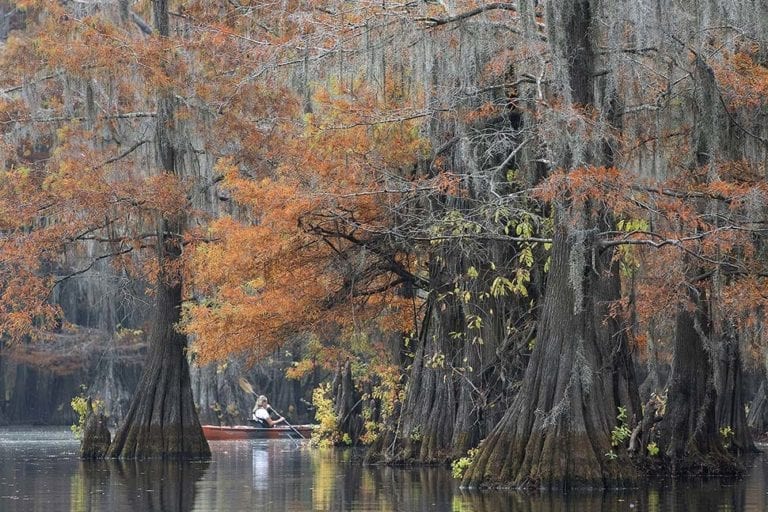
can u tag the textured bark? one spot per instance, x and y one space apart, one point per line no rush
689 435
757 420
705 383
162 420
558 430
96 435
429 408
347 404
493 357
653 382
117 373
457 384
730 410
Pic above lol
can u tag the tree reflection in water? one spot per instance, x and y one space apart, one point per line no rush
138 485
269 476
343 484
673 498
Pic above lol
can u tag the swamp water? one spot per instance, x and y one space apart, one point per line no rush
40 471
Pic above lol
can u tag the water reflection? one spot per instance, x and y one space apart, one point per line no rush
260 468
41 471
151 486
690 496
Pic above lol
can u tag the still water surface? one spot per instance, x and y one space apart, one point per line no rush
40 471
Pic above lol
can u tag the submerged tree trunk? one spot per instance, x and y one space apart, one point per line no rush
557 434
96 435
705 384
457 384
429 409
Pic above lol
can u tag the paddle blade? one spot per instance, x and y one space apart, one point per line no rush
245 386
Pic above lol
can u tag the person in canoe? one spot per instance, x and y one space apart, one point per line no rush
261 413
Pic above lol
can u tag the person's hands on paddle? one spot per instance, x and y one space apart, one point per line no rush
279 418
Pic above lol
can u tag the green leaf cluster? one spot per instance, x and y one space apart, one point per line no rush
80 405
459 466
620 432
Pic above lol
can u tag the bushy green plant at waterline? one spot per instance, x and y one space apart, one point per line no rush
327 432
80 405
460 465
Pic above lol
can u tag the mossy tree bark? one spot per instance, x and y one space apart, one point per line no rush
162 420
469 354
688 435
558 431
96 436
347 404
466 359
729 410
492 361
429 408
705 384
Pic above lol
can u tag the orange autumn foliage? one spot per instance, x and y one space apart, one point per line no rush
274 263
284 267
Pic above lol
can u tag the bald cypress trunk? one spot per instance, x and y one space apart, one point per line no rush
730 410
557 432
96 435
757 420
429 409
347 404
689 436
705 384
461 374
162 420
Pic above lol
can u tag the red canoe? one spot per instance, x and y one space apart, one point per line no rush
217 433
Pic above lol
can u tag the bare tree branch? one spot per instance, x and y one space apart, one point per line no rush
434 22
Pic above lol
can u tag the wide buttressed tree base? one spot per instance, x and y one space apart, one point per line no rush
162 420
557 434
688 435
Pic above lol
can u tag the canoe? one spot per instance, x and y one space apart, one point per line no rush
217 433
